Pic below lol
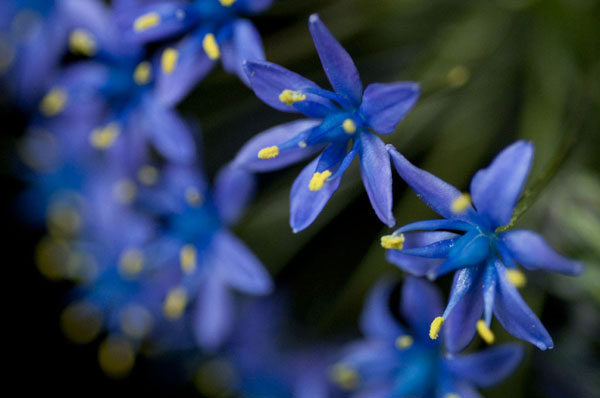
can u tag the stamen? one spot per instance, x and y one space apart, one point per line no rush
116 356
103 138
317 182
451 395
54 102
142 73
269 152
344 376
226 3
302 144
403 342
187 258
434 329
484 331
148 175
146 21
516 277
175 303
193 196
168 60
349 126
461 203
289 97
82 42
131 263
210 46
393 241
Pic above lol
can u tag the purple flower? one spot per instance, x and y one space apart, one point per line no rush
471 239
341 125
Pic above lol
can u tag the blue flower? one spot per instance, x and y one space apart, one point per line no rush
400 360
215 29
471 241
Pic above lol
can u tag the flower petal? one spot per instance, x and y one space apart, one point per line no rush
336 61
252 6
377 320
376 172
515 316
246 45
533 252
162 20
496 189
234 188
417 266
421 302
460 326
213 316
385 105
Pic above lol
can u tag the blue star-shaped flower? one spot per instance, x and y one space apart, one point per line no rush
470 239
345 116
397 360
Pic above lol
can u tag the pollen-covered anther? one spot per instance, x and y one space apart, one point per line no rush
516 277
187 258
227 3
146 21
344 376
82 42
393 241
104 137
193 196
211 47
484 331
175 303
168 60
54 102
269 152
436 326
461 203
142 73
403 342
289 97
349 126
131 262
317 182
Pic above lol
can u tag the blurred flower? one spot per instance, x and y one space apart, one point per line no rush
346 117
400 360
472 240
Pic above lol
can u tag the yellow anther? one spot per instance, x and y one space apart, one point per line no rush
168 60
142 73
81 322
289 97
434 329
484 331
104 137
344 376
54 102
175 303
451 395
458 76
116 356
226 3
211 47
135 321
82 42
302 144
193 196
187 258
516 277
317 182
269 152
461 203
124 191
393 241
349 126
403 342
148 175
146 21
131 263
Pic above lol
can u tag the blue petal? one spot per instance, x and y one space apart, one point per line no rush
496 189
234 188
268 81
421 302
376 172
533 252
416 265
385 105
238 266
470 250
306 205
247 157
436 193
460 325
488 367
246 45
515 316
439 249
175 18
432 225
252 6
213 314
337 63
377 320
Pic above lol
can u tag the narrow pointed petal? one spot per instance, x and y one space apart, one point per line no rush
246 45
488 367
417 266
496 189
432 225
421 302
247 157
252 6
385 105
161 20
460 326
213 314
516 316
438 249
305 205
336 61
436 193
234 188
376 172
377 321
533 252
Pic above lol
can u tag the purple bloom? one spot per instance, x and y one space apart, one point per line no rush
472 241
341 125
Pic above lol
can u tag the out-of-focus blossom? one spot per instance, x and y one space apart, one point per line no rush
471 240
342 124
400 360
